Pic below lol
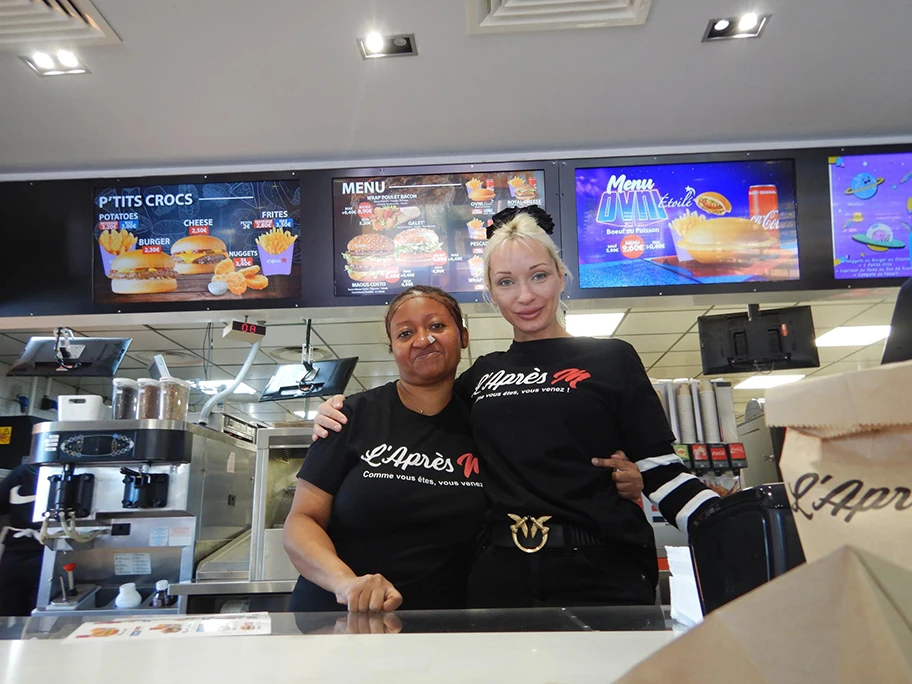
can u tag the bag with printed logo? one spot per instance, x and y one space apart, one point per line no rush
847 460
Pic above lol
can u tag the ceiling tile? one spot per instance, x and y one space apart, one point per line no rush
689 342
342 333
672 372
257 372
650 343
651 323
833 354
879 314
194 339
364 352
682 358
873 353
143 340
844 367
375 369
833 316
222 357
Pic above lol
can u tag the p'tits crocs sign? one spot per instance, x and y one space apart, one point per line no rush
137 200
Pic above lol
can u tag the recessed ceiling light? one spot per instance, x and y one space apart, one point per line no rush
748 21
306 415
767 381
375 45
213 387
374 42
749 25
44 64
67 59
854 336
43 60
593 325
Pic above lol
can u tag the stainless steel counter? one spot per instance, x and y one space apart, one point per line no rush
232 588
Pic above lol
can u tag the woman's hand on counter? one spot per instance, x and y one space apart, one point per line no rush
368 623
627 477
329 417
368 594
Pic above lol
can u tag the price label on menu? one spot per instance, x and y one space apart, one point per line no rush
199 230
243 262
262 224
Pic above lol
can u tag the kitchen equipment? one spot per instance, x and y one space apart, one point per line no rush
80 407
135 501
743 541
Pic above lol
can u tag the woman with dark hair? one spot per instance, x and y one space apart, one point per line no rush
542 413
387 513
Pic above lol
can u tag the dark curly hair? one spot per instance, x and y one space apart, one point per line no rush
542 218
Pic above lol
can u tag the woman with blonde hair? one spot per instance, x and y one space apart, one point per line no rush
542 413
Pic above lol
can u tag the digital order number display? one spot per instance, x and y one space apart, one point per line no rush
251 328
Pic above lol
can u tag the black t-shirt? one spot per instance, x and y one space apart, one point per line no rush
408 500
541 410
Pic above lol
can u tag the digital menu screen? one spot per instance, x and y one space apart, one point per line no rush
393 232
686 224
871 199
198 242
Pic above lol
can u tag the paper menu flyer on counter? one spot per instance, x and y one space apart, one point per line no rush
687 224
197 242
173 626
392 232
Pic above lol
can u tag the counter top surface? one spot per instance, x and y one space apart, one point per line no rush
565 657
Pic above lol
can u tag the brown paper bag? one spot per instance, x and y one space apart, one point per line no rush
847 460
845 618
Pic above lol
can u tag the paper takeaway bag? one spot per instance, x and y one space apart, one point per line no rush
845 618
847 460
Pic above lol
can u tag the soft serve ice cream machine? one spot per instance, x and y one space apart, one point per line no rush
135 501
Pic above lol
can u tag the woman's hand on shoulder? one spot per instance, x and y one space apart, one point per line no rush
368 594
329 417
627 477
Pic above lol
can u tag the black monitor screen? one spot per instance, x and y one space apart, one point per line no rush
775 339
295 381
91 356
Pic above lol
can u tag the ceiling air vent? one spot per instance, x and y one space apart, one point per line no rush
503 16
33 24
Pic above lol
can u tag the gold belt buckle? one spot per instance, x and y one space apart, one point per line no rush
522 523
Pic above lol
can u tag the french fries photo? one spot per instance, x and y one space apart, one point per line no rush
117 242
276 241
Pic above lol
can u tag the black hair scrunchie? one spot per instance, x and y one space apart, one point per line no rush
542 218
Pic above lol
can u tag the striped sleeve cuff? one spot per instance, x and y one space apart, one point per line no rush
677 494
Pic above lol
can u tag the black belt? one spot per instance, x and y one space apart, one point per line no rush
531 534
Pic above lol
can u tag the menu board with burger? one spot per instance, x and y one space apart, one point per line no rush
871 198
393 232
198 242
685 224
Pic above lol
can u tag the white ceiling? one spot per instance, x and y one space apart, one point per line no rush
213 82
666 340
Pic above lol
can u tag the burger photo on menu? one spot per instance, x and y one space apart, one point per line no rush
371 258
418 248
138 272
198 254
